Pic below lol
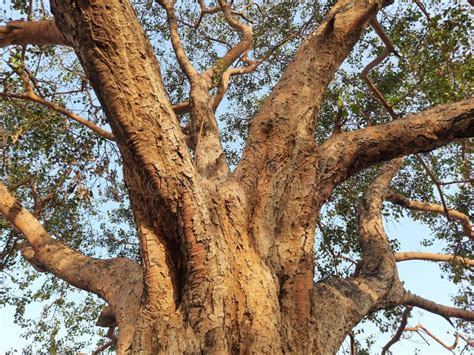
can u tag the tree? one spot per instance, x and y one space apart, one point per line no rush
227 251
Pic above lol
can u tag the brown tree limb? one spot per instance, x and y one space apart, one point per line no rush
140 114
42 32
403 201
376 285
235 52
30 95
179 51
420 326
352 343
437 184
278 171
181 108
349 152
206 11
284 126
396 337
404 256
389 48
118 281
55 107
73 267
251 66
410 299
113 341
103 347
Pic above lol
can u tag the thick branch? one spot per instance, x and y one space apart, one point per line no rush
377 285
118 281
286 122
73 267
122 68
377 257
346 153
42 32
410 299
401 200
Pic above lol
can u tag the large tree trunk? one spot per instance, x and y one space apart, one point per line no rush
229 299
228 258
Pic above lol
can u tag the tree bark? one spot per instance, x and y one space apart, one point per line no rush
228 258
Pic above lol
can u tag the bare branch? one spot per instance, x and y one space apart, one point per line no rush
32 96
404 256
401 200
399 332
251 66
55 107
436 182
234 53
113 341
410 299
352 343
206 11
420 326
389 48
42 32
181 56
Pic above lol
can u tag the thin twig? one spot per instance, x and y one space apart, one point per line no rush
437 184
396 337
32 96
389 48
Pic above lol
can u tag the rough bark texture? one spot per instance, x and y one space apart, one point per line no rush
228 258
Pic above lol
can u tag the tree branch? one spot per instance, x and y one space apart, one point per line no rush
377 285
377 256
410 299
31 96
73 267
389 48
396 337
284 127
419 327
231 56
404 256
118 281
42 32
181 56
346 153
401 200
140 114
